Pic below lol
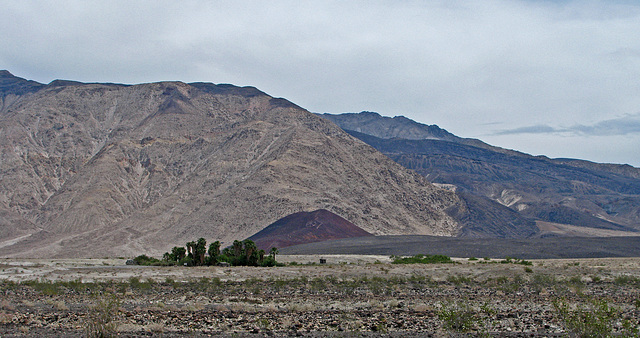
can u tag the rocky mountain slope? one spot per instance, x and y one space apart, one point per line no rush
306 227
561 191
117 170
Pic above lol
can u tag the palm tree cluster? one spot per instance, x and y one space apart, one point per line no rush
240 253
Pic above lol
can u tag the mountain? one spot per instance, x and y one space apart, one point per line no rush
400 127
558 191
371 123
306 227
93 170
12 87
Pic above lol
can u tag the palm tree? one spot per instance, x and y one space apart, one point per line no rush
200 251
214 252
190 249
238 253
251 251
273 252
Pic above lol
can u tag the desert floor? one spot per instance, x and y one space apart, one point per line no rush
350 295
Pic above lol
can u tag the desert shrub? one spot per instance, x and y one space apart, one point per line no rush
541 281
264 324
378 285
77 285
627 280
594 319
100 321
459 280
421 259
575 281
8 285
507 284
136 284
544 279
460 317
380 326
318 284
146 260
269 261
511 260
421 281
47 288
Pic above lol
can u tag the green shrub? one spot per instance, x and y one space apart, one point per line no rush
422 259
136 284
543 280
510 260
45 287
626 280
507 284
459 280
459 318
146 260
594 319
100 319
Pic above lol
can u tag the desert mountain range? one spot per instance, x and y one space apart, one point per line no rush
564 196
93 170
98 169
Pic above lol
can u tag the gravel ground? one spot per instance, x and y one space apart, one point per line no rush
348 296
527 248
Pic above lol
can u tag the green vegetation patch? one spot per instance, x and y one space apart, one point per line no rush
241 253
421 259
595 318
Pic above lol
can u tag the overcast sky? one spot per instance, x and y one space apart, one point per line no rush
558 78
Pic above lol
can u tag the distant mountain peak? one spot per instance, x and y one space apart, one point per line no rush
372 123
13 85
5 73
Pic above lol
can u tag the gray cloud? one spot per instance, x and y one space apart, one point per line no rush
629 124
456 64
537 129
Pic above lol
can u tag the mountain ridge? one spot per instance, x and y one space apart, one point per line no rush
565 191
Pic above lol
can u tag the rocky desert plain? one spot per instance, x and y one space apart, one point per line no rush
349 295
